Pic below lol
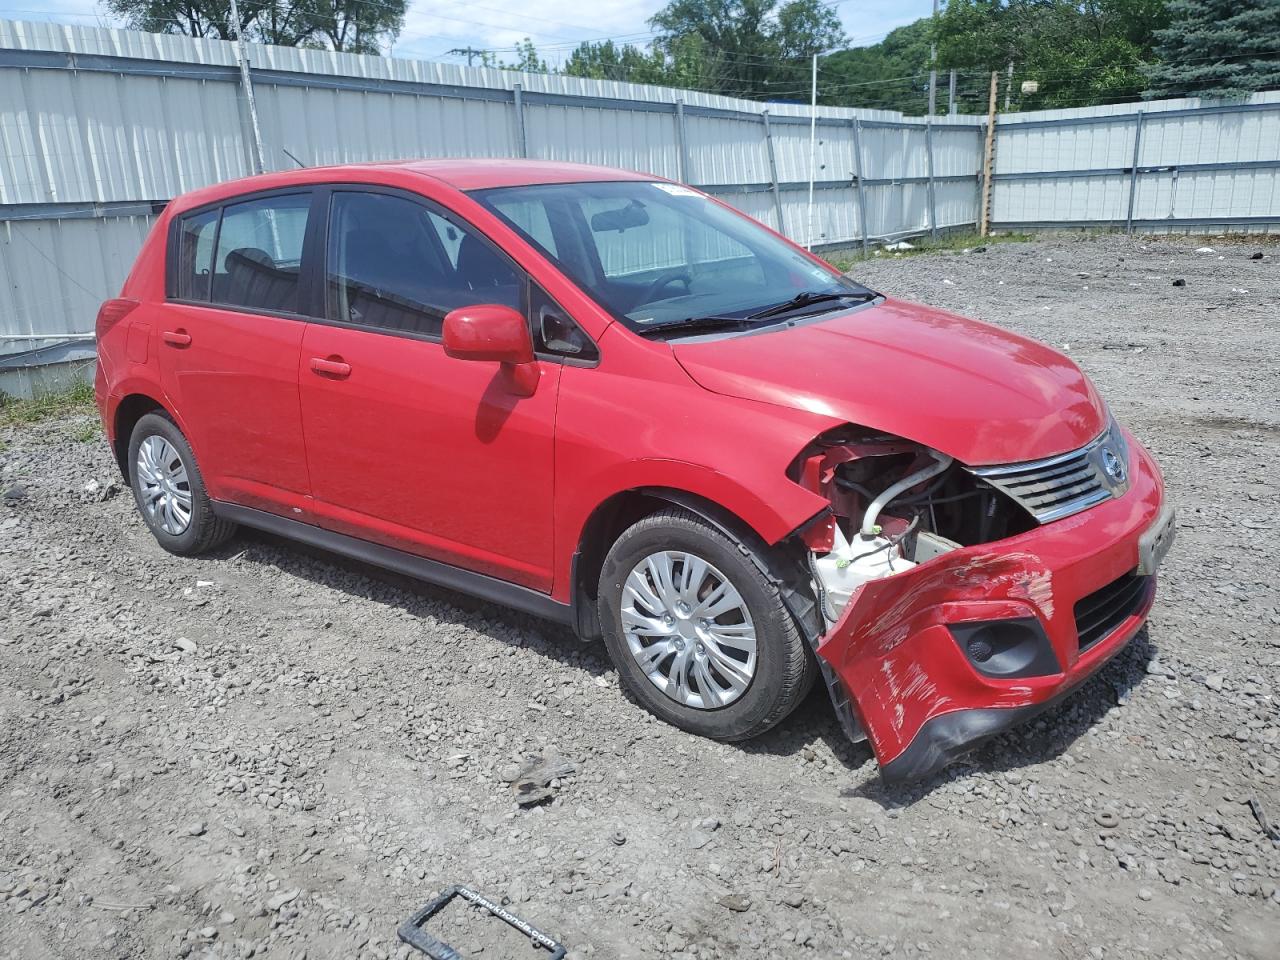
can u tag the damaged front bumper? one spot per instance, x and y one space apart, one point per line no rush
941 656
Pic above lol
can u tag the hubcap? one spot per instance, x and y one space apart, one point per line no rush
689 629
163 484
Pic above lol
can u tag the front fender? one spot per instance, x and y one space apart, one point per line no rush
639 421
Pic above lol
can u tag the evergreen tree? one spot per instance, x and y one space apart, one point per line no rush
1217 49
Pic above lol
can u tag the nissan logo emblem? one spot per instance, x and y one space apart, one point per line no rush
1112 465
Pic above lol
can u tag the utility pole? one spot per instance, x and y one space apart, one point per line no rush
1008 87
951 94
246 81
933 66
813 148
468 51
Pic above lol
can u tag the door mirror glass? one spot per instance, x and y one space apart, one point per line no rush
488 331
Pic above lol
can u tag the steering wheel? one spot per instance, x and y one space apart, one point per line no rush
665 279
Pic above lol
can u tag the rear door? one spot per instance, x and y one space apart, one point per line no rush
406 446
229 343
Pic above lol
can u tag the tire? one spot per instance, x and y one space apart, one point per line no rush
176 480
783 668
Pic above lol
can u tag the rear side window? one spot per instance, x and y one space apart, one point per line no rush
246 255
259 253
196 236
394 265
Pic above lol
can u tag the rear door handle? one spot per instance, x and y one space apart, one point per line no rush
331 368
177 338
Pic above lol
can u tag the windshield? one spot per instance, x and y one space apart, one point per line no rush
659 255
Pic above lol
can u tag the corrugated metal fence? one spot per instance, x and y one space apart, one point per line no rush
99 128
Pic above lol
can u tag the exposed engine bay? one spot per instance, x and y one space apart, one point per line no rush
894 504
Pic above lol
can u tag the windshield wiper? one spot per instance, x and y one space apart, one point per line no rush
712 322
716 321
807 298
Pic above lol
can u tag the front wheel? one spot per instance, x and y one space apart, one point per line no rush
699 634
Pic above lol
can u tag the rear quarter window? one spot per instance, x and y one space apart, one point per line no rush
194 255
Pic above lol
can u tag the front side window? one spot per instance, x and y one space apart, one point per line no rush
259 254
392 264
661 256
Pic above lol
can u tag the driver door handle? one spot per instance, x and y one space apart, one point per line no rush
335 368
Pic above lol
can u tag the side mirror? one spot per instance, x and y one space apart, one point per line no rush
487 331
491 331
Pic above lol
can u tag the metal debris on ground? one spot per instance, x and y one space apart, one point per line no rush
1269 830
411 931
533 779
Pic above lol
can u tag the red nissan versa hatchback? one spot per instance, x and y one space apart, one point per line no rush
613 401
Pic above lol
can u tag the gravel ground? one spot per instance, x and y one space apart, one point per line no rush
270 753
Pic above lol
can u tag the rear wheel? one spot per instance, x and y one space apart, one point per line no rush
699 634
169 490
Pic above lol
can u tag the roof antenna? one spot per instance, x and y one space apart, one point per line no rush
293 158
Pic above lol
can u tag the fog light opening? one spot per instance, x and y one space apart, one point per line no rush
1009 648
980 650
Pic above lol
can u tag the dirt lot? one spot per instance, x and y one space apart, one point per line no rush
270 753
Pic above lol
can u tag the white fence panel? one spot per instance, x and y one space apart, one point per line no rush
643 140
53 273
99 128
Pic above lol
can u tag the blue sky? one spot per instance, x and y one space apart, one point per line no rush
433 27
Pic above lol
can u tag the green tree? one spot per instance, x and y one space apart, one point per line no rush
349 26
678 63
354 26
890 75
610 61
527 59
1217 49
748 46
1076 53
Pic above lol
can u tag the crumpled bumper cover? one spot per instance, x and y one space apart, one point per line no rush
915 692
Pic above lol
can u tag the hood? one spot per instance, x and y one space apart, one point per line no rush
978 393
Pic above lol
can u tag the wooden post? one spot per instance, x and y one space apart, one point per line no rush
862 191
682 157
522 137
984 214
1133 172
928 154
773 174
246 82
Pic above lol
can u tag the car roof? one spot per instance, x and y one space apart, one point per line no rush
460 174
478 173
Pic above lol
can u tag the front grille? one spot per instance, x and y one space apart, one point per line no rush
1059 486
1103 610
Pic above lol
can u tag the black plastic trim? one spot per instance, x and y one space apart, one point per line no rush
1105 609
949 737
432 571
1032 657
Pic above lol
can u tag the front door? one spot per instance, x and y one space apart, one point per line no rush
406 446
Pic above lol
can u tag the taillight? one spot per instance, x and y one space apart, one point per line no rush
112 312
